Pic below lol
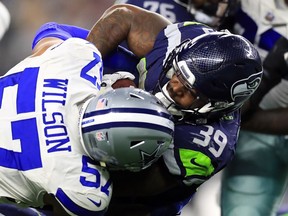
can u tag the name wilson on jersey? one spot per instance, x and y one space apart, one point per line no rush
55 131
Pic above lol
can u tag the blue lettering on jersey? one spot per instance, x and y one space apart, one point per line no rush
23 131
19 89
89 168
54 97
55 131
85 71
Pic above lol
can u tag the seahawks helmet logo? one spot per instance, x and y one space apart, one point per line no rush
245 87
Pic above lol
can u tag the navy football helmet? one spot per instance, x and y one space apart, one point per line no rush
223 68
210 12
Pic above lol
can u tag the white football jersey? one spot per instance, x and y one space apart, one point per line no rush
40 144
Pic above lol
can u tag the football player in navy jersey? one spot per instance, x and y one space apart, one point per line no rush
185 65
60 137
257 28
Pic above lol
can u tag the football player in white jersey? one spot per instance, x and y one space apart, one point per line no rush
59 136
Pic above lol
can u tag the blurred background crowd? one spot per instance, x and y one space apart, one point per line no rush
27 16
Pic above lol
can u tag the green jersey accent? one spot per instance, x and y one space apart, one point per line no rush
194 23
195 163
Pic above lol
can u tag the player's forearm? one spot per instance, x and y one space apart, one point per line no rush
268 121
110 30
126 22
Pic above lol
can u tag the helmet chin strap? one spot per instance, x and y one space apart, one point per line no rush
167 101
170 105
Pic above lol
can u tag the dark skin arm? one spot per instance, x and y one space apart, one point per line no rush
156 178
273 121
268 121
121 22
139 27
135 193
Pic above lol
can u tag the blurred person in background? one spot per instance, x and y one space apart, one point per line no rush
255 182
209 12
4 19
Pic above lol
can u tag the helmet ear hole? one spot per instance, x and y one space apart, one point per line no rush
137 96
135 143
107 135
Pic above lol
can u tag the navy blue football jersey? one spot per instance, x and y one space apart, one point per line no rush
167 8
199 151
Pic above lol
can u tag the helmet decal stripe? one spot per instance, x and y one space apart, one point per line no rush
126 110
127 124
127 117
123 128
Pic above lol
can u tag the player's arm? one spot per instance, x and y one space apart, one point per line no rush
44 44
120 22
274 121
149 182
275 68
268 121
51 32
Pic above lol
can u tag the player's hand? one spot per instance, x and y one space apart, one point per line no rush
119 79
